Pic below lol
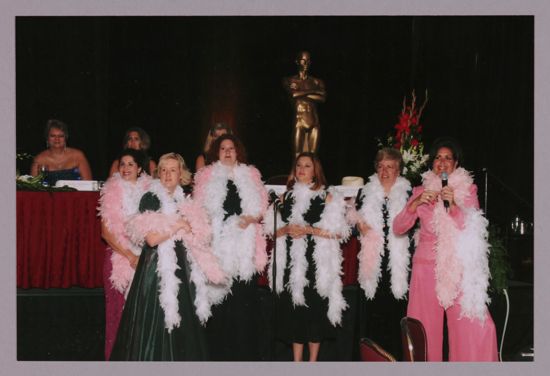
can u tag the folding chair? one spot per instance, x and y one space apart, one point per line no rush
413 338
372 352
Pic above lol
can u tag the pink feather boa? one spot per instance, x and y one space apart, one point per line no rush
370 245
114 215
196 242
369 262
260 258
448 268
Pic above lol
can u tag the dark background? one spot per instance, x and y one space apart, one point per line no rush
175 76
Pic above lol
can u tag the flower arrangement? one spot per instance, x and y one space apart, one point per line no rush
33 183
22 161
408 138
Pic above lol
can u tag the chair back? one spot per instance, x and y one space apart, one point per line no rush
372 352
413 338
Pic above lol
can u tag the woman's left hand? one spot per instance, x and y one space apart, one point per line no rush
447 194
246 220
133 259
183 224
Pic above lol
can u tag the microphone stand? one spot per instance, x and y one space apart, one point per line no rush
486 183
274 278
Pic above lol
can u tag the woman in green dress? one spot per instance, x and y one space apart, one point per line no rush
163 312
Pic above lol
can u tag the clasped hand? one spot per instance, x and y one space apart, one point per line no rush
182 224
296 231
246 220
429 197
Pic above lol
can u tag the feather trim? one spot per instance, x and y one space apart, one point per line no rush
204 265
119 200
167 259
448 269
372 244
473 252
327 254
268 224
241 252
462 253
281 265
302 196
122 274
268 229
197 241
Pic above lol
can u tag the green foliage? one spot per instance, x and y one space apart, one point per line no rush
499 264
35 184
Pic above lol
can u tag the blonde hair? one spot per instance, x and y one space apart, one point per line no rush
185 178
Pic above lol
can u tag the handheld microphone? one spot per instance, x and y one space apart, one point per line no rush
444 183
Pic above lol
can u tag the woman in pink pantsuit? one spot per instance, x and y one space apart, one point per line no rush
450 272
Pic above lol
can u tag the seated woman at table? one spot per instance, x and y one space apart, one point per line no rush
216 131
383 271
119 200
309 258
137 139
58 161
159 321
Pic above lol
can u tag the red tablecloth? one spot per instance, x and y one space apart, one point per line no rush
59 241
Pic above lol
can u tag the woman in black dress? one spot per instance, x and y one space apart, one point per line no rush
159 320
235 200
309 283
384 256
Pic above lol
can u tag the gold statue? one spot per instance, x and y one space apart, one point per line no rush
305 90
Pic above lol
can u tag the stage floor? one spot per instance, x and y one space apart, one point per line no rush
69 324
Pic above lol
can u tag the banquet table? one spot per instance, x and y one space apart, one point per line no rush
59 241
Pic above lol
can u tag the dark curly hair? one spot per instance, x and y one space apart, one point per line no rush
214 152
138 155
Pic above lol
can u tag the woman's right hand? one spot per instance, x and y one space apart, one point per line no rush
425 198
182 224
363 228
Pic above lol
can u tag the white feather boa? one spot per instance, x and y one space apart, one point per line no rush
372 243
119 201
327 254
241 252
462 266
161 221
